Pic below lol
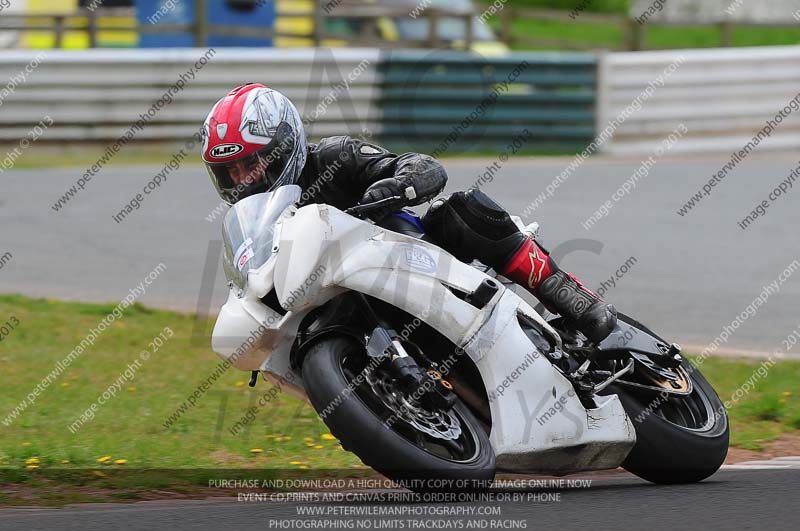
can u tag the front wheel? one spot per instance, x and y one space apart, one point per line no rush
390 433
679 439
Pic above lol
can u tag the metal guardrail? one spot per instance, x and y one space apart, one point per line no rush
455 102
435 101
95 95
723 96
403 99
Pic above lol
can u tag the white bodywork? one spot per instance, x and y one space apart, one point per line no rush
320 252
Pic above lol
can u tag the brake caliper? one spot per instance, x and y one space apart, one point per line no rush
420 385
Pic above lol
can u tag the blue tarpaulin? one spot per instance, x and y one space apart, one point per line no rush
224 12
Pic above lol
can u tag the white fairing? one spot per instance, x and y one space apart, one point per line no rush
322 252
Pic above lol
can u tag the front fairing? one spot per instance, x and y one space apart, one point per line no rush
248 231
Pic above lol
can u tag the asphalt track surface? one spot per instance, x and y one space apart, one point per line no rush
731 500
692 275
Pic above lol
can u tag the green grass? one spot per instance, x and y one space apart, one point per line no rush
598 6
64 156
595 35
130 427
83 158
769 409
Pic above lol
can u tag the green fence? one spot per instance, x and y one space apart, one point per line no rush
446 102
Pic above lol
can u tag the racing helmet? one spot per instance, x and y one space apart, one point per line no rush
253 142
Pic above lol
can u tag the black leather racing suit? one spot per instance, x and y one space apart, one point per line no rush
339 170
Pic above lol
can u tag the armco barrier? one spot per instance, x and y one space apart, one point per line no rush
96 95
451 102
441 102
722 95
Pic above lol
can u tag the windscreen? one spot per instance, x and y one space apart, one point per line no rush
248 229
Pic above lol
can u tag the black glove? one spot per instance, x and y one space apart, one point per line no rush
384 189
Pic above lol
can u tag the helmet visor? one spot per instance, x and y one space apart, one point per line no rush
272 166
243 177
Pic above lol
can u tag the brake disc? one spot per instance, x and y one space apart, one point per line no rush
438 424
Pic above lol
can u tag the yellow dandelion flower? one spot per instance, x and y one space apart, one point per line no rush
308 439
65 461
32 467
131 389
104 459
318 446
65 384
305 467
32 461
26 444
787 393
295 462
256 450
328 437
120 461
240 383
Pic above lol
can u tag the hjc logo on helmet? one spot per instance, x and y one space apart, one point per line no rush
225 150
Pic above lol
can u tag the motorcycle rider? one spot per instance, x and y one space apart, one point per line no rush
254 141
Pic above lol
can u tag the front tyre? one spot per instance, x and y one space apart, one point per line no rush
679 439
357 406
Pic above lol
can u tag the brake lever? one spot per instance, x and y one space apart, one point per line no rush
361 211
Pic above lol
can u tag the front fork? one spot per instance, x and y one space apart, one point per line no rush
425 385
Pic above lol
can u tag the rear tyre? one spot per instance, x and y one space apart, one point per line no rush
349 401
678 439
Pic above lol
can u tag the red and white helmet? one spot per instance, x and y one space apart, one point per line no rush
253 142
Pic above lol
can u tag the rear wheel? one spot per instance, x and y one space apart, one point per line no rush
679 439
365 410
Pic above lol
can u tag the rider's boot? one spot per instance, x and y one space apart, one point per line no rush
532 267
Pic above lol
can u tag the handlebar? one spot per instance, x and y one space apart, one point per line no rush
361 211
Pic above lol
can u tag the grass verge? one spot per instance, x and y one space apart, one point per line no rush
769 409
596 35
83 158
127 433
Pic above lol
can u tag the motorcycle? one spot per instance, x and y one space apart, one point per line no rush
427 367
